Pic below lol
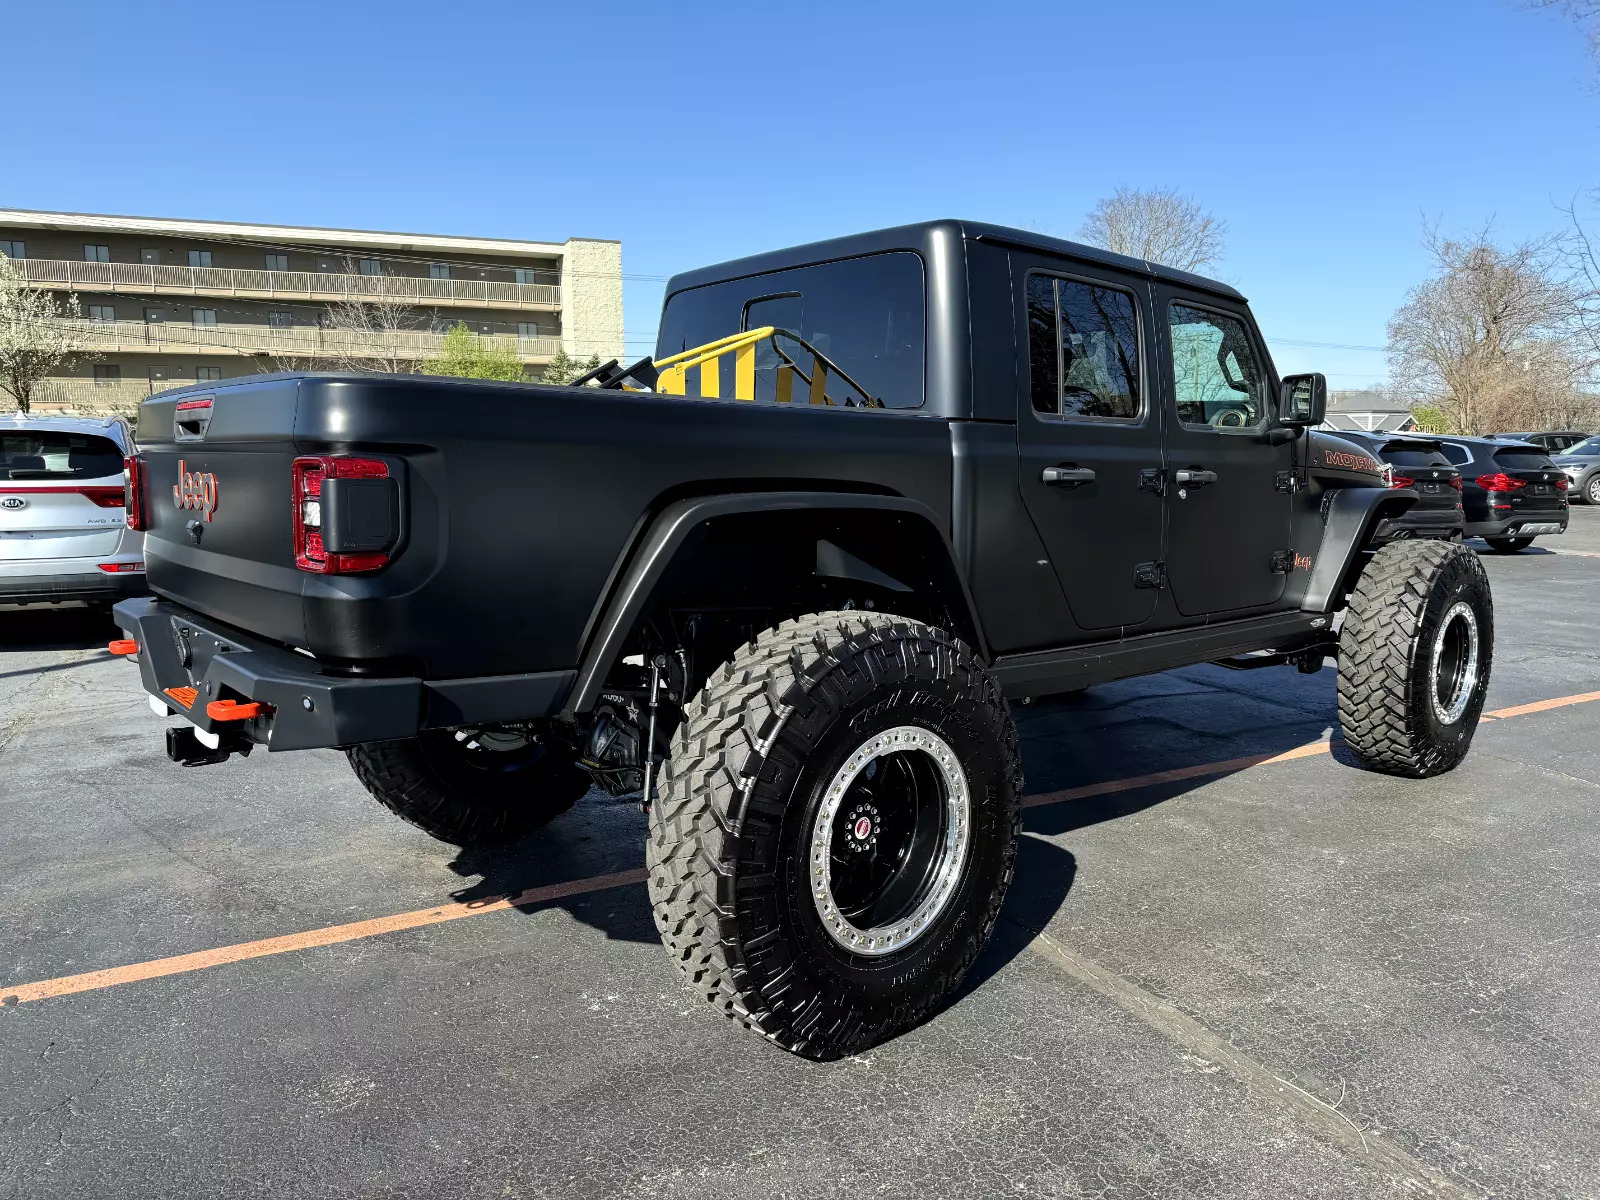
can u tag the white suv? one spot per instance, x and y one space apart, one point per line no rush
63 530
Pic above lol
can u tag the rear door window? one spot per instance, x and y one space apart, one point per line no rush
867 315
47 454
1083 349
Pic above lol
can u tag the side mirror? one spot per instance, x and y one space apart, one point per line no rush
1303 401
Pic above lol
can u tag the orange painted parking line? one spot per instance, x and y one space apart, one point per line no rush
1522 710
179 964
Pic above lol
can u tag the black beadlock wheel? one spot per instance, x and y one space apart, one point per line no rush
1414 658
1509 545
836 828
470 786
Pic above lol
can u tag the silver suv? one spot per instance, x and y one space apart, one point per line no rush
63 529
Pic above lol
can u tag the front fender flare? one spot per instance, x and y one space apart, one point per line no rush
666 535
1352 515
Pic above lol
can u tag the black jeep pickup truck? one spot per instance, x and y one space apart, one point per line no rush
784 580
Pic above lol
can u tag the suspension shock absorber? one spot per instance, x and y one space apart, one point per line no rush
648 751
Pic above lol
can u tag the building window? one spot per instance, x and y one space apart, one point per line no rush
525 275
155 316
13 250
371 266
97 253
280 320
104 375
207 374
527 329
102 312
277 262
199 258
438 270
149 257
205 318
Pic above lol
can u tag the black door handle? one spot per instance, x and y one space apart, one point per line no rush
1067 476
1193 478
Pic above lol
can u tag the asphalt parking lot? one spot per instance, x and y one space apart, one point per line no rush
1232 965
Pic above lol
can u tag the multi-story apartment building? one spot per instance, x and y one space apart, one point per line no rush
165 302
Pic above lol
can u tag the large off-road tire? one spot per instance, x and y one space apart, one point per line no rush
470 787
836 828
1508 545
1414 658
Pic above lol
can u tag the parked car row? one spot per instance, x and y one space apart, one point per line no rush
63 528
1506 492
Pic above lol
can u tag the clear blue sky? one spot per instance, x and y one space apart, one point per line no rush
697 132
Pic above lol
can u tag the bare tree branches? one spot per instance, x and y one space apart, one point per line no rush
1585 13
36 335
1159 225
1489 339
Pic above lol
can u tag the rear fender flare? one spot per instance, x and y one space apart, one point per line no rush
1352 515
665 536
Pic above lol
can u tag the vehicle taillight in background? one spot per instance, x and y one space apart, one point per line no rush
133 486
1455 482
1400 481
1501 482
1562 483
343 514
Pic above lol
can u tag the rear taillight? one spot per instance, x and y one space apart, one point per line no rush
1455 482
306 488
1500 482
133 486
1562 483
121 568
1401 481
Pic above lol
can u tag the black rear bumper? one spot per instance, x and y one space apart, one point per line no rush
305 705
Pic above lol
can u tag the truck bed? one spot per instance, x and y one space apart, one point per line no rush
519 503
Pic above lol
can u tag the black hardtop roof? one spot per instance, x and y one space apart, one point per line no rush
919 237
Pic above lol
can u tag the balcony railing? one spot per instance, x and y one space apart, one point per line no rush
95 395
155 278
305 341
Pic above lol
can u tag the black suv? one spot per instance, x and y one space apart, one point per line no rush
1511 492
1418 463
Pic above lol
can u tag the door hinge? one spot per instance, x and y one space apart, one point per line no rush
1153 479
1288 481
1149 574
1282 561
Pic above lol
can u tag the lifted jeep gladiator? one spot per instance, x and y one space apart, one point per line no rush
784 579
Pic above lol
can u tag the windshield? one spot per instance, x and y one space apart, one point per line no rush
1587 446
48 454
865 314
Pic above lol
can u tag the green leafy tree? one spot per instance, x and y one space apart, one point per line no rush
1431 420
468 356
563 368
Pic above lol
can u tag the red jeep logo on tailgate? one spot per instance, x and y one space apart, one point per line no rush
196 490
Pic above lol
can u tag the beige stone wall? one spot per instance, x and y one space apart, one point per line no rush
591 298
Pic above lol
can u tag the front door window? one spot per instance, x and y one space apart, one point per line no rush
1216 378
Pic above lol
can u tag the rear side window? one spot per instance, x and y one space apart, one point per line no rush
1522 460
45 454
1083 349
1402 454
867 315
1459 455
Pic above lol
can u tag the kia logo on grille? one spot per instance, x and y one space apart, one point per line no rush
13 502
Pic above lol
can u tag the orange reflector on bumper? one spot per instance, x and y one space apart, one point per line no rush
232 710
123 646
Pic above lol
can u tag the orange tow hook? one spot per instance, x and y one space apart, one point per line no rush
232 710
123 646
